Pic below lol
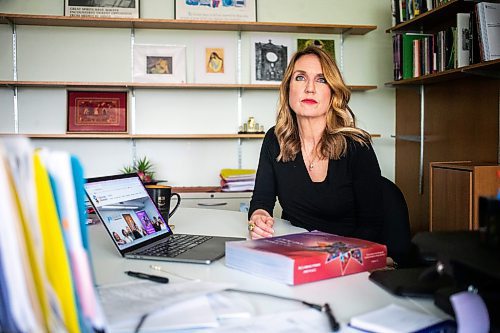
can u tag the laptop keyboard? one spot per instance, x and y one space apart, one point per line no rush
175 245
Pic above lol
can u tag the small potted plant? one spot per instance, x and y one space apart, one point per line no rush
144 168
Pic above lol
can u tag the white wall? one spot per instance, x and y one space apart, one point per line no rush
94 54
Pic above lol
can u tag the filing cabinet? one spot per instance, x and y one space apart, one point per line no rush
455 188
213 198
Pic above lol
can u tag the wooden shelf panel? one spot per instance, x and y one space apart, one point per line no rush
486 68
434 18
126 85
135 136
143 23
142 136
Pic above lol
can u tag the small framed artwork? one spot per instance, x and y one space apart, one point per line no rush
102 8
326 44
216 10
97 112
269 58
215 60
160 63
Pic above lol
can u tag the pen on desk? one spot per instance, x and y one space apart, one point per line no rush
334 324
154 278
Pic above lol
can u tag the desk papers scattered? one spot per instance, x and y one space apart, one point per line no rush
126 303
191 314
306 321
394 319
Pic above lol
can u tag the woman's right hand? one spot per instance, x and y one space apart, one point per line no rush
261 224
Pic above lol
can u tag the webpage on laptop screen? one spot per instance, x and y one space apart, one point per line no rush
127 211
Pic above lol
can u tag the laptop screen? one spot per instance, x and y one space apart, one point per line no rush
124 206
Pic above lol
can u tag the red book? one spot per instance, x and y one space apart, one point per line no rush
305 257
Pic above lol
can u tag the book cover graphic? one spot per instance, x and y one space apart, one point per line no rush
317 255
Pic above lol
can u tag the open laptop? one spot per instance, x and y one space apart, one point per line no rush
137 228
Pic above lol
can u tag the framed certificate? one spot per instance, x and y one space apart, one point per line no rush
97 112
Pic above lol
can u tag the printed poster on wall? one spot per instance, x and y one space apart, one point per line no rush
216 10
102 8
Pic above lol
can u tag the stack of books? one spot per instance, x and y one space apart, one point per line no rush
237 180
305 257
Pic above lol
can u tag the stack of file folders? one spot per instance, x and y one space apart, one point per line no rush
237 180
46 282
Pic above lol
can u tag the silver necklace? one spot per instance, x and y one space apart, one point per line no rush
310 162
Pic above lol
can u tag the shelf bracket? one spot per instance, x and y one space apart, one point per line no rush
134 150
422 140
239 148
14 74
342 53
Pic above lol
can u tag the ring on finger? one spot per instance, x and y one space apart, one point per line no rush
251 226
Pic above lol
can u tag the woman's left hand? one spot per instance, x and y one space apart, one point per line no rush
260 225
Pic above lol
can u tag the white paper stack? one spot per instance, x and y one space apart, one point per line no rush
237 180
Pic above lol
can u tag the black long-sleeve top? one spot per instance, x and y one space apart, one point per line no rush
348 202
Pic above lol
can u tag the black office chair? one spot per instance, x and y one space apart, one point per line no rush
396 228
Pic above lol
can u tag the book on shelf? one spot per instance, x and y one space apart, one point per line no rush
488 22
409 54
305 257
397 40
464 42
474 56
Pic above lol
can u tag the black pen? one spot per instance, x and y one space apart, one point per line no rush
334 324
154 278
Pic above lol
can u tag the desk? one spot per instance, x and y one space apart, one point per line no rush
348 296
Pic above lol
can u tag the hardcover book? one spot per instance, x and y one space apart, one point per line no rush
305 257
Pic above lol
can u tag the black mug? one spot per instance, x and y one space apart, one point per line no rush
161 196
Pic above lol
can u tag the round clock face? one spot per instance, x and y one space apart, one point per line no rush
271 56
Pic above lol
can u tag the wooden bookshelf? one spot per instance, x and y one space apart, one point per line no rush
126 85
450 115
487 68
434 17
143 23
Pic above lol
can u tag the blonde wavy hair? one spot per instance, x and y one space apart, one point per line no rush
340 121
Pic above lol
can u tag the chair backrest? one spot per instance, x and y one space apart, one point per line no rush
396 228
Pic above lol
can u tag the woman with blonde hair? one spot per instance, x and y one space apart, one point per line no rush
319 165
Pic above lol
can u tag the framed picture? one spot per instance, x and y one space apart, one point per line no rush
215 60
326 44
102 8
269 58
97 111
160 63
216 10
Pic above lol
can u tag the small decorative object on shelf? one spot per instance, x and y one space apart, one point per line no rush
251 127
144 168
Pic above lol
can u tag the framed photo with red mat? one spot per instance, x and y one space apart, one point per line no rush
97 112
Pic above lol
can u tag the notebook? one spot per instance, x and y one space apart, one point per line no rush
137 228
